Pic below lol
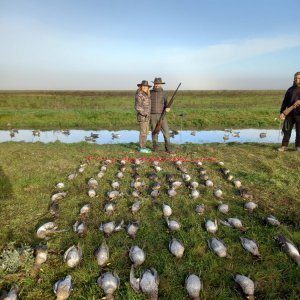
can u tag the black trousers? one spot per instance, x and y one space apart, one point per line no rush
287 130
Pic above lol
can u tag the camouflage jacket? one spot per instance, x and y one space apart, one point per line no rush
142 106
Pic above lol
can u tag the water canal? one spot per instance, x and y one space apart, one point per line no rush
132 136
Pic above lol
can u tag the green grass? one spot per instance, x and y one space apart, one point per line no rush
29 173
104 110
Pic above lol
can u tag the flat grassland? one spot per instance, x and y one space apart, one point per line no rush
29 173
114 110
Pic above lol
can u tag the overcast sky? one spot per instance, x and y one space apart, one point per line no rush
114 44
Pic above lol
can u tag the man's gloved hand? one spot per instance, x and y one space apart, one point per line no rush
168 109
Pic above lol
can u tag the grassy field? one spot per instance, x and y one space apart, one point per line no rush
195 110
29 173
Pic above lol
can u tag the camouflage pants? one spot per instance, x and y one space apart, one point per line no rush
154 118
144 128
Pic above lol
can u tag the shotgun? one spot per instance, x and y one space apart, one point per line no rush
291 108
159 123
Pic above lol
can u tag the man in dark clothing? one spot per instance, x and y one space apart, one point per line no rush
158 103
291 96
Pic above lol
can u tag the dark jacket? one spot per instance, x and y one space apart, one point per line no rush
158 101
291 96
142 106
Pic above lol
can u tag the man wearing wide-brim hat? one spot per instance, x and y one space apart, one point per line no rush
158 103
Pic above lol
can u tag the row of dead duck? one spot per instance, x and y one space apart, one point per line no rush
193 282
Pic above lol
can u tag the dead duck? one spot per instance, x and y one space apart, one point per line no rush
41 254
153 176
272 220
250 245
136 194
193 285
199 163
80 227
186 177
250 206
132 229
172 192
63 288
155 194
218 192
234 222
109 282
101 174
209 183
245 193
195 194
93 183
85 209
218 247
200 209
46 230
109 207
290 248
225 171
202 171
156 186
223 208
102 254
167 210
92 193
246 284
120 175
137 256
176 184
194 185
73 256
211 226
109 227
176 248
173 225
115 185
237 183
54 209
114 194
136 206
170 178
148 282
58 196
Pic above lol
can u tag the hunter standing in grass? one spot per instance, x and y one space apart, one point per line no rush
291 96
158 103
143 108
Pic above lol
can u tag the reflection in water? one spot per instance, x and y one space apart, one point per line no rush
132 136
